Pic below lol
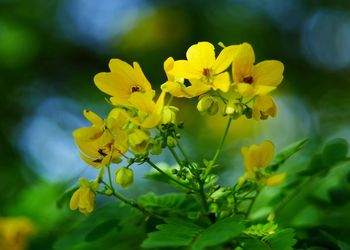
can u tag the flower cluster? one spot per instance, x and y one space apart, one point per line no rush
142 122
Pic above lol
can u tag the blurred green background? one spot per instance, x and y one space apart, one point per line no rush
51 50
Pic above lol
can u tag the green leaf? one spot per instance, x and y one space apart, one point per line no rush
287 152
255 244
175 233
101 230
281 240
171 200
335 151
218 233
179 233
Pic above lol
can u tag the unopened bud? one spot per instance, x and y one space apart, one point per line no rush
124 177
234 109
169 114
156 149
208 104
171 142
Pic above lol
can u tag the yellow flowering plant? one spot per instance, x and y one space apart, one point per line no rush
143 122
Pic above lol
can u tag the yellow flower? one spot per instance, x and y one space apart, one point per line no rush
124 177
149 112
97 144
176 85
83 198
263 107
259 79
14 232
138 140
123 81
204 71
275 179
257 156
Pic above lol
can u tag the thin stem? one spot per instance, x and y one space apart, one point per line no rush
176 157
185 155
169 176
123 198
292 195
170 100
218 151
252 203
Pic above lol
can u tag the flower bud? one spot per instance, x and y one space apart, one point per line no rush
171 141
138 140
264 106
156 149
208 104
234 109
124 177
169 114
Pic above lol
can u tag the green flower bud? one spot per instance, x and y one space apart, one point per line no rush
171 142
156 149
108 192
124 177
169 114
234 109
208 104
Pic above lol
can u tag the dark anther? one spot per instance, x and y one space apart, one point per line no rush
97 161
135 89
248 79
206 72
100 151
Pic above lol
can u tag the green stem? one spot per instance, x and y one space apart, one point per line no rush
169 176
170 100
176 157
123 198
252 203
185 155
292 195
218 151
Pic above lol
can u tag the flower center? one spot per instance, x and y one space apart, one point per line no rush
248 79
206 72
135 89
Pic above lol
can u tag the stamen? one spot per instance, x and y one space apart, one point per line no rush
248 79
135 89
206 72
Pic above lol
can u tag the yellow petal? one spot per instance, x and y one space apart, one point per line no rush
122 68
197 88
263 89
93 118
243 62
222 82
246 90
141 78
257 156
275 179
113 84
168 65
154 118
225 58
142 102
201 55
73 204
184 69
268 72
90 161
